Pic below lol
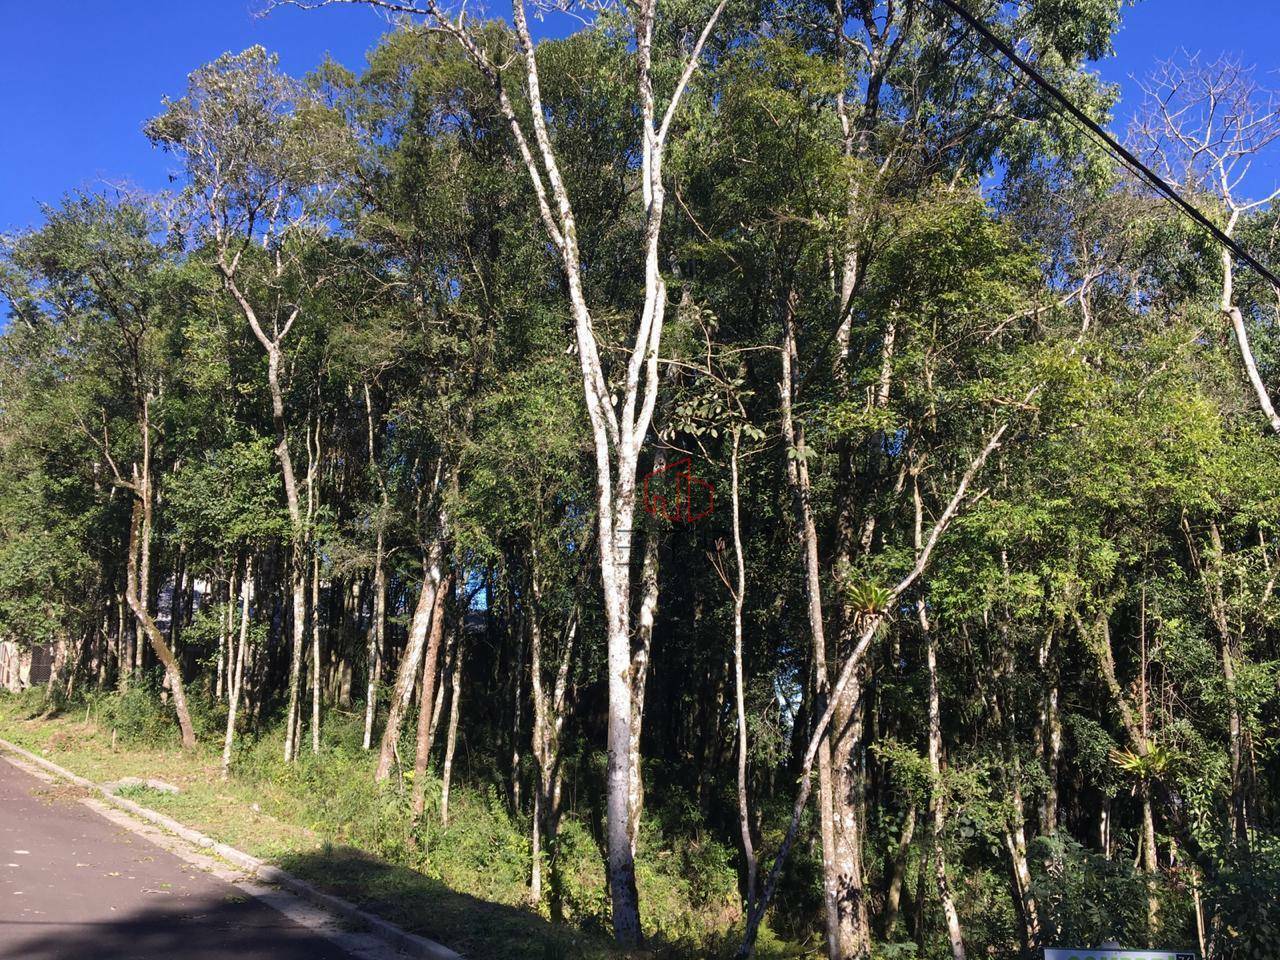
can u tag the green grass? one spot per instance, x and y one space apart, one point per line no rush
325 820
224 811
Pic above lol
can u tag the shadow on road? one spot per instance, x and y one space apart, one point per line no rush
195 928
237 927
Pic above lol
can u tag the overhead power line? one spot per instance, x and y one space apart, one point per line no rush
1130 159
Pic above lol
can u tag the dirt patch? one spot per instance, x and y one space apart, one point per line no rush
60 792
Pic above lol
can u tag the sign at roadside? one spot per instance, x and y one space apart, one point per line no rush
1105 953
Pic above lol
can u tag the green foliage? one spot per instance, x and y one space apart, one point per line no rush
1093 899
868 599
231 497
1158 762
690 886
1243 896
136 715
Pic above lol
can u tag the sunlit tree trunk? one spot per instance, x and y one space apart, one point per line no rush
739 590
451 739
315 653
236 684
426 698
407 672
148 626
1050 736
377 625
640 650
443 672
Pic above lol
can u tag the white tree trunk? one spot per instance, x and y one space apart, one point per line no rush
798 479
455 691
407 672
739 595
315 653
237 675
376 628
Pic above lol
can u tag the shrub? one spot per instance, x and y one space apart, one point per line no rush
137 716
1243 904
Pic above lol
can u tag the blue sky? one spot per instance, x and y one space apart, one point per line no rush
78 78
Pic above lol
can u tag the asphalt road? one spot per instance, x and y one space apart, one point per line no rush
75 885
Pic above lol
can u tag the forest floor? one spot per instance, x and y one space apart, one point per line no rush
304 823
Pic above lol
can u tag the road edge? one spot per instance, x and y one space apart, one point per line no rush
408 943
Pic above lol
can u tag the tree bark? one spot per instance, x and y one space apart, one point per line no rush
517 710
1135 727
1211 581
798 480
846 815
377 627
455 691
315 652
450 649
226 642
1050 737
1015 832
937 795
426 698
893 896
548 722
640 651
148 626
237 675
739 591
407 672
298 625
937 792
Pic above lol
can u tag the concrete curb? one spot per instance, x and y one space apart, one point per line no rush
408 943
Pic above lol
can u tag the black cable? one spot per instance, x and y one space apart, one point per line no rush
1129 158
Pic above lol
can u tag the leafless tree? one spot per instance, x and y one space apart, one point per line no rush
1203 126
